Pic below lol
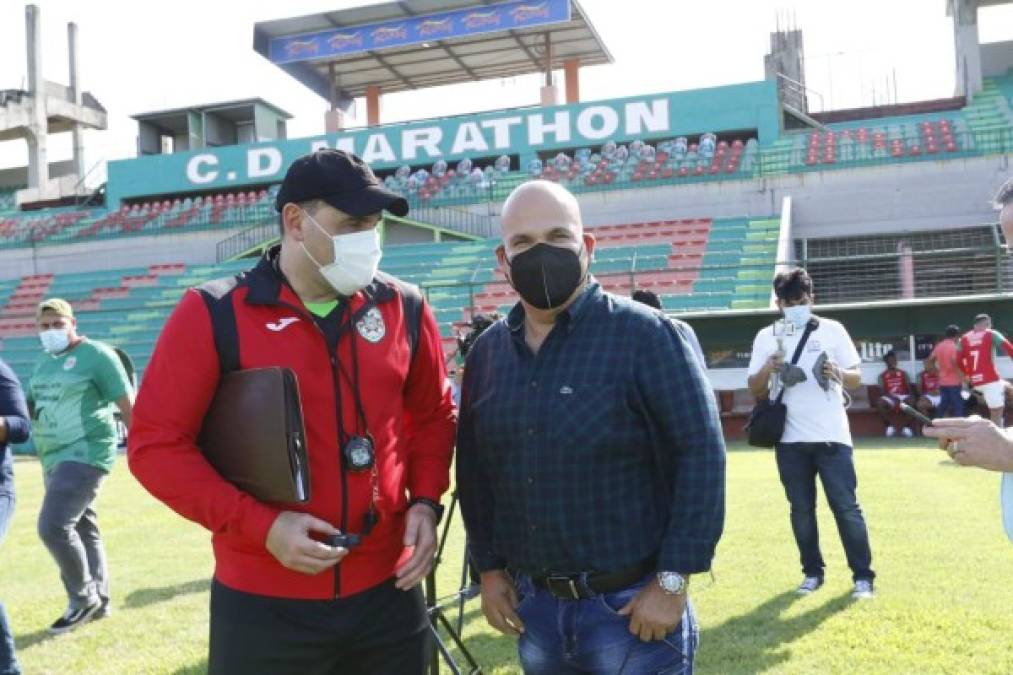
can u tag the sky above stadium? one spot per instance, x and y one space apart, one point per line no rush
144 56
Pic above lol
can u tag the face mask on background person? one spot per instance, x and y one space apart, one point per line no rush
356 259
546 276
54 340
798 315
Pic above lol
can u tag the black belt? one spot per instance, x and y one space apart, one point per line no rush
586 585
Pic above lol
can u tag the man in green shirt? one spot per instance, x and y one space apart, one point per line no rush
74 393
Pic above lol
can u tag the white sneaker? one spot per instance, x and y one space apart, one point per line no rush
809 585
890 432
907 432
863 590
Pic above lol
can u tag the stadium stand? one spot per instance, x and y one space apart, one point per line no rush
693 264
70 225
7 201
983 127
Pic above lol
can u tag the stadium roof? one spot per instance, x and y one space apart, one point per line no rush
414 44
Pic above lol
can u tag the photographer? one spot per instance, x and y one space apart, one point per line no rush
816 439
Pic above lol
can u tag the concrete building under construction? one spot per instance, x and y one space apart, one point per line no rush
46 108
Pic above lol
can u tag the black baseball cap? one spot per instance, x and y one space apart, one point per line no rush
342 180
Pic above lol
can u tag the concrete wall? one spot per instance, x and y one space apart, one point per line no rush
218 130
396 233
195 248
266 122
18 176
891 198
149 139
996 58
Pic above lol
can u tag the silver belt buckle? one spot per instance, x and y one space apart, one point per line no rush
553 582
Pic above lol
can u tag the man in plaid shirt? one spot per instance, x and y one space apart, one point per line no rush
591 465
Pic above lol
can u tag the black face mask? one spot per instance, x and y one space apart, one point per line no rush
546 276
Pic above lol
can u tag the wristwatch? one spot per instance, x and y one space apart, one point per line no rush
435 506
672 583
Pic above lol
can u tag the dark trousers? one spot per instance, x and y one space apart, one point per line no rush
798 464
951 403
8 662
380 631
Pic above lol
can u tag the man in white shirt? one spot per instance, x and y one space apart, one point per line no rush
816 439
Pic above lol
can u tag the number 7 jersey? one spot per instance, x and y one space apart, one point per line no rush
976 355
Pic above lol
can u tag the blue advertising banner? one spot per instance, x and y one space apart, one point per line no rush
419 29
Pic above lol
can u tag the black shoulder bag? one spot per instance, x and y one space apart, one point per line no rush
766 423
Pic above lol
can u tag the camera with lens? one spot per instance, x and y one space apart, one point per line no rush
479 324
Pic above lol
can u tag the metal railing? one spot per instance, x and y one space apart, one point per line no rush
700 287
246 240
266 231
458 220
782 158
850 154
798 91
911 270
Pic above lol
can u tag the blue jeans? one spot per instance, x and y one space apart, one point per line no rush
798 464
589 636
8 662
951 403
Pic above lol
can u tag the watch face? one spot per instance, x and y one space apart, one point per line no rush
671 582
359 453
360 457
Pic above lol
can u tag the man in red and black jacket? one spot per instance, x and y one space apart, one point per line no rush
366 352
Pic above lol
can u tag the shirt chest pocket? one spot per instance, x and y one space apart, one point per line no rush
585 415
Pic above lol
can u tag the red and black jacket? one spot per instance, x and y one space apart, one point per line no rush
404 393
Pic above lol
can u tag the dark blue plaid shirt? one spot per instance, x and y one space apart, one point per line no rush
599 452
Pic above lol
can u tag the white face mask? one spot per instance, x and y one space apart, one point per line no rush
356 259
54 340
798 315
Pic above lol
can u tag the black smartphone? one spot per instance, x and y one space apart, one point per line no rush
908 410
348 541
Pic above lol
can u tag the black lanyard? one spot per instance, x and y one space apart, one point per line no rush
361 425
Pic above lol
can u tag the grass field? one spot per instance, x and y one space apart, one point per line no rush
944 603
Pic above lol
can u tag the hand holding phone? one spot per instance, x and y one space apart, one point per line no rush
344 540
908 410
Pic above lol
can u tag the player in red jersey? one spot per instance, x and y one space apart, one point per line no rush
976 355
895 388
928 387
